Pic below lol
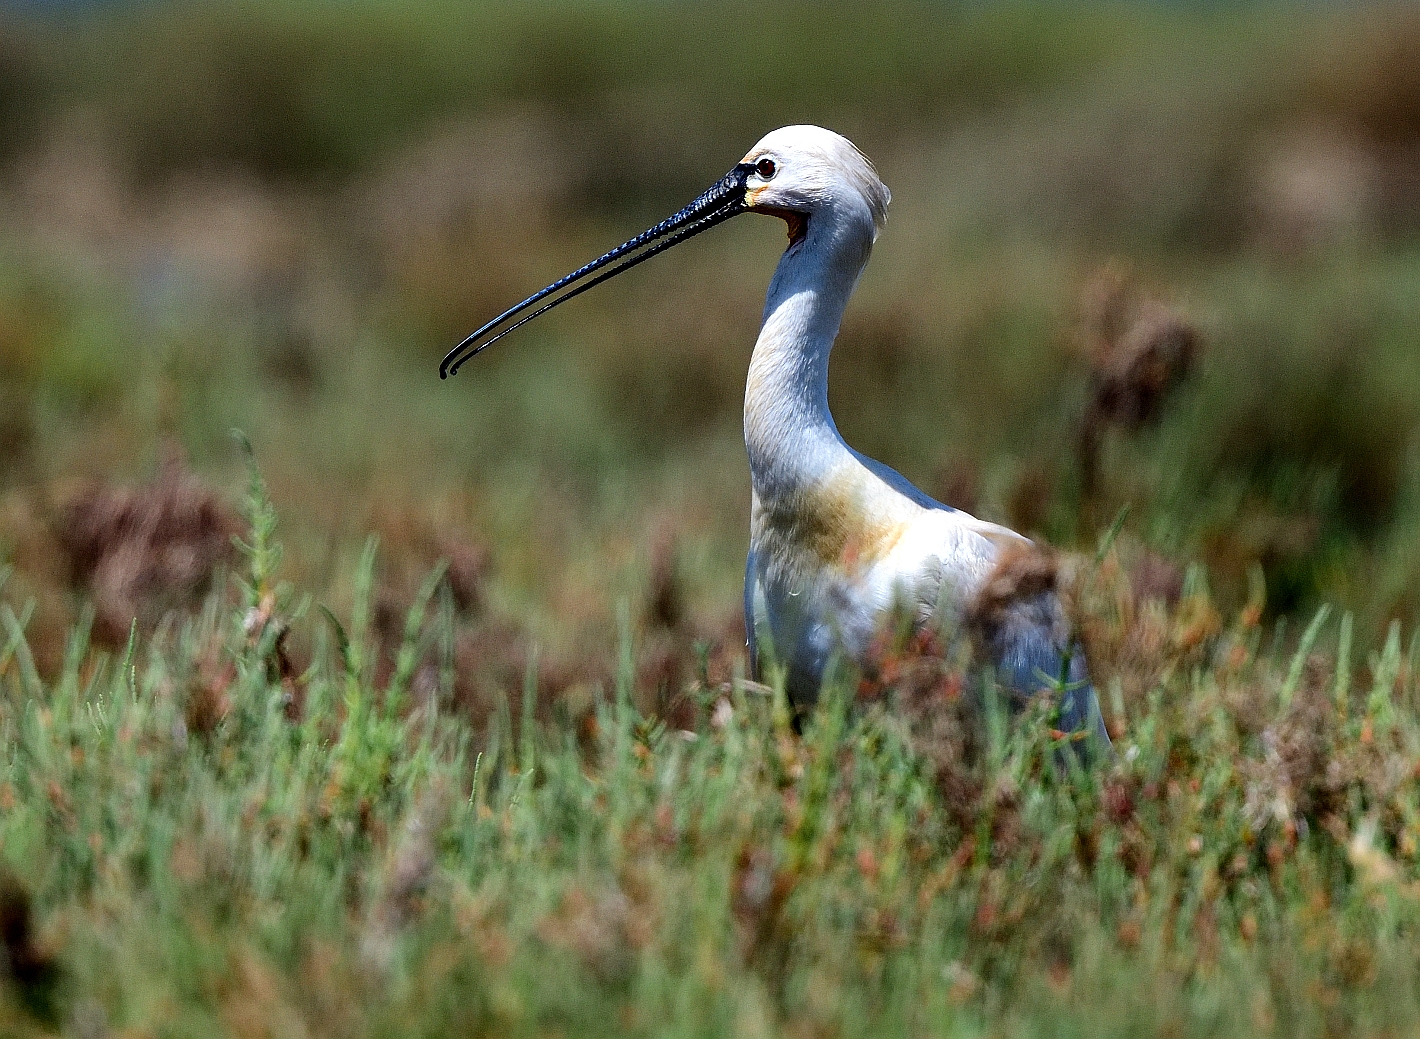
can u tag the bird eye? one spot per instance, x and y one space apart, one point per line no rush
766 168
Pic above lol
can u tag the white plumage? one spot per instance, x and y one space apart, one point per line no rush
836 540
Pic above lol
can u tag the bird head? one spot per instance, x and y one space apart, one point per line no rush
795 173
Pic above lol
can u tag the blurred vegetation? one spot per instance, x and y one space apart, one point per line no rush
1157 261
277 217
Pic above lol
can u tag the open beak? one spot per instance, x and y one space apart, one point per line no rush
724 200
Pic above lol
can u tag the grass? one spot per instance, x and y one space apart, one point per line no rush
198 839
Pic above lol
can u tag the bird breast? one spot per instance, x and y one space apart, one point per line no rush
837 554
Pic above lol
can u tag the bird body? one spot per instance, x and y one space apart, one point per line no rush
840 544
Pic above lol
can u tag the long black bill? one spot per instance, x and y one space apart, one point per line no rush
724 200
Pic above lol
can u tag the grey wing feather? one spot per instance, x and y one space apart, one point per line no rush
1029 648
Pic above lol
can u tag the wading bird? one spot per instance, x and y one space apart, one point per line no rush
838 542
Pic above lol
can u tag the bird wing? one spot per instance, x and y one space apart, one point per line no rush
754 604
1032 648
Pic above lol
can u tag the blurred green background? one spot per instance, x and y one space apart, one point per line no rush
278 217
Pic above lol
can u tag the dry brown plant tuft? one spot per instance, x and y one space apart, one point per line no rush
1297 775
945 726
683 658
1140 350
923 685
29 964
1019 595
209 698
1136 625
1155 578
495 658
145 551
411 545
1023 571
665 600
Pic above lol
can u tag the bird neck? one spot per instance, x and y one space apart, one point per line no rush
790 435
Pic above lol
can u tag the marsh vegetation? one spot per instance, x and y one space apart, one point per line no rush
465 746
